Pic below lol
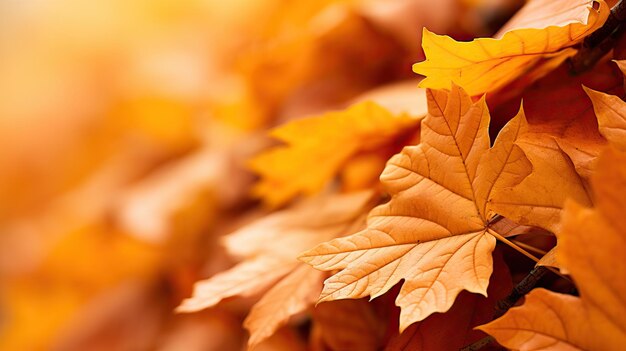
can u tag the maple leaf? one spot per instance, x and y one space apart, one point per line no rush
454 329
269 248
611 113
538 197
590 240
562 144
549 259
435 231
557 105
362 325
539 30
317 148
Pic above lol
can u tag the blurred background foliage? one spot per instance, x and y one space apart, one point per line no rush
125 130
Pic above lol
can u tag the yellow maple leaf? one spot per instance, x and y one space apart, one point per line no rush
318 147
269 248
541 29
589 243
435 233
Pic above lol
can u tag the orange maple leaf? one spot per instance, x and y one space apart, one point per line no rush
562 143
454 329
269 248
435 233
589 242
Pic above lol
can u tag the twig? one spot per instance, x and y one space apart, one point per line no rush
479 344
594 48
615 19
600 42
522 288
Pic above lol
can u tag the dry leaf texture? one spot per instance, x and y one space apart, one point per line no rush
434 233
541 29
590 240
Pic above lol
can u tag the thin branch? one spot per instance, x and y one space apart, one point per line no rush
522 288
615 19
479 344
600 42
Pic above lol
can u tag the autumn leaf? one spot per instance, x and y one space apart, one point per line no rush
611 116
269 248
562 144
317 148
557 105
403 97
538 198
454 329
590 240
293 294
359 325
549 259
127 132
539 30
435 232
611 113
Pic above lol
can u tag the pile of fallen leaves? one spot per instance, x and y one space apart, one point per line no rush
304 189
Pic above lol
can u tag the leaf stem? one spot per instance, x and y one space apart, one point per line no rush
519 247
529 247
512 245
479 344
522 288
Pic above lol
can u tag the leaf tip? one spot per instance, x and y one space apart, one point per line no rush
426 34
521 115
589 91
185 307
307 256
